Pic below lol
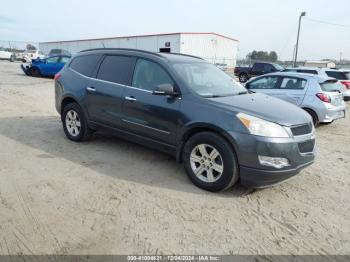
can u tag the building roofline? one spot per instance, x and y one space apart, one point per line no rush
134 36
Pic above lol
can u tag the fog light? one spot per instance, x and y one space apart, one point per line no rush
276 162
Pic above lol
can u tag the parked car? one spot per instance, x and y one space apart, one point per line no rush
55 52
319 96
45 67
30 55
188 108
5 55
342 75
259 68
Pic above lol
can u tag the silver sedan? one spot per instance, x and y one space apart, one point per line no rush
320 96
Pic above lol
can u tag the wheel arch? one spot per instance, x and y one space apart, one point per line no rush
203 127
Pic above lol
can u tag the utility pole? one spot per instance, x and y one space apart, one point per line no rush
297 46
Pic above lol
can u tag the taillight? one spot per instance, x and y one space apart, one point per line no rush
346 84
323 97
57 76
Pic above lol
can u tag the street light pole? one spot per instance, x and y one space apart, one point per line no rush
297 46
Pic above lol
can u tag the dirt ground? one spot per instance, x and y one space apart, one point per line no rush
108 196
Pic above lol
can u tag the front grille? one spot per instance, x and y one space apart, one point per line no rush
307 147
302 130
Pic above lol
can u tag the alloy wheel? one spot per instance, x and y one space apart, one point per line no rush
206 163
73 123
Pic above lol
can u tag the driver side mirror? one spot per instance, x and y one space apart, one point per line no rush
165 90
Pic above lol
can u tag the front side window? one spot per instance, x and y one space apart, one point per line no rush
207 80
293 83
268 82
116 69
148 75
51 60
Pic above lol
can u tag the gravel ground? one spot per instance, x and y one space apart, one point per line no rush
108 196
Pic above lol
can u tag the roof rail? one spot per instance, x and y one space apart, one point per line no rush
184 55
122 49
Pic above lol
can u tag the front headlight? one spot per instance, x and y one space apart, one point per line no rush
260 127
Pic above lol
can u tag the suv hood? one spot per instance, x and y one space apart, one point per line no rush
265 107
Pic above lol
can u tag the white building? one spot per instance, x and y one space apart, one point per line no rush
327 64
211 46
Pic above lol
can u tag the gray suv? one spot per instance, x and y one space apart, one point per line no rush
188 108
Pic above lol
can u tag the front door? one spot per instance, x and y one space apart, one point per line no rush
148 115
267 85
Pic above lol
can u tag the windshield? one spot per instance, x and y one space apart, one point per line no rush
278 67
207 80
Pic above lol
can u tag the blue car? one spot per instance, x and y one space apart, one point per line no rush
45 67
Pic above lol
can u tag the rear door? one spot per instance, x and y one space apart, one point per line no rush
292 89
267 85
104 93
145 114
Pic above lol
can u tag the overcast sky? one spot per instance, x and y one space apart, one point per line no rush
261 25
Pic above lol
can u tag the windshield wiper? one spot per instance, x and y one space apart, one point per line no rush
243 93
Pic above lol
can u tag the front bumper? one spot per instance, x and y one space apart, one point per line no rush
258 178
299 150
25 68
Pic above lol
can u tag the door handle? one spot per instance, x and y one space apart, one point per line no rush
91 89
130 98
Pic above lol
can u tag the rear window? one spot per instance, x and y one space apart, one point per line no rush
116 69
337 75
85 65
314 72
329 86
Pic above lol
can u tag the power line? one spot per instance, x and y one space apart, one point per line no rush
327 23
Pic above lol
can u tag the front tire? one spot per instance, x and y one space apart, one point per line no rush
243 78
75 124
210 162
35 72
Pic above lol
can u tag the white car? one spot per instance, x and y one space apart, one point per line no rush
343 76
29 55
5 55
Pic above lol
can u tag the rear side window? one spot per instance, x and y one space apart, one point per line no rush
337 75
148 75
116 69
293 83
269 82
85 65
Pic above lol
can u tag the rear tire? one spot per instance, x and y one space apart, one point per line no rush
75 124
210 162
35 72
314 116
